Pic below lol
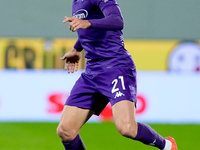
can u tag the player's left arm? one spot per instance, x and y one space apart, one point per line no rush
112 20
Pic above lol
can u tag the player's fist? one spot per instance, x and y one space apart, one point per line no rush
76 23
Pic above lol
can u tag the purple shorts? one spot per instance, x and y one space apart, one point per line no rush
94 90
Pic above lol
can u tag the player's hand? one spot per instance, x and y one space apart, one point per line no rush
76 23
71 60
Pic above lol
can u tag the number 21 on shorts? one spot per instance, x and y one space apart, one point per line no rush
115 81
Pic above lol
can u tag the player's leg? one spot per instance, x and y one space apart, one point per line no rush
72 120
73 115
124 119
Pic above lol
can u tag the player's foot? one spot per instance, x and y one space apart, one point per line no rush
171 139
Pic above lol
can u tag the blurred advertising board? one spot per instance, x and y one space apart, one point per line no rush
35 53
34 86
39 95
172 55
38 53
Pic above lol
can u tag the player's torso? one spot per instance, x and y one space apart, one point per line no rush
99 44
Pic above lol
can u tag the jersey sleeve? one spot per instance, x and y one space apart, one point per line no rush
112 20
78 46
103 3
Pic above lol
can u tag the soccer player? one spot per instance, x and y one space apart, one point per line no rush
110 76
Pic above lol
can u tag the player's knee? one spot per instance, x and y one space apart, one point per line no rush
65 133
127 130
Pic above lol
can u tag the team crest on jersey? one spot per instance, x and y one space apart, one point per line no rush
80 14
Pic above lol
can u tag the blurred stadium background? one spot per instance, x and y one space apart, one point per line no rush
164 40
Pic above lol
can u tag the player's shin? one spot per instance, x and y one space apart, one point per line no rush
149 136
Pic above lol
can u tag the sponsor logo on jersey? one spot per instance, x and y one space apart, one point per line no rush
80 14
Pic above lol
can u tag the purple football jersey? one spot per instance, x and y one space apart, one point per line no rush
101 43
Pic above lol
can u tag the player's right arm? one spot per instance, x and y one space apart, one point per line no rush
78 46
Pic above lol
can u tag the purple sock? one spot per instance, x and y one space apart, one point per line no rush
75 144
149 136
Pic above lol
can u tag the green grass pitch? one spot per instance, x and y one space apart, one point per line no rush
97 136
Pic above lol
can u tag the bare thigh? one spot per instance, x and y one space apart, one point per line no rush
124 118
72 119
